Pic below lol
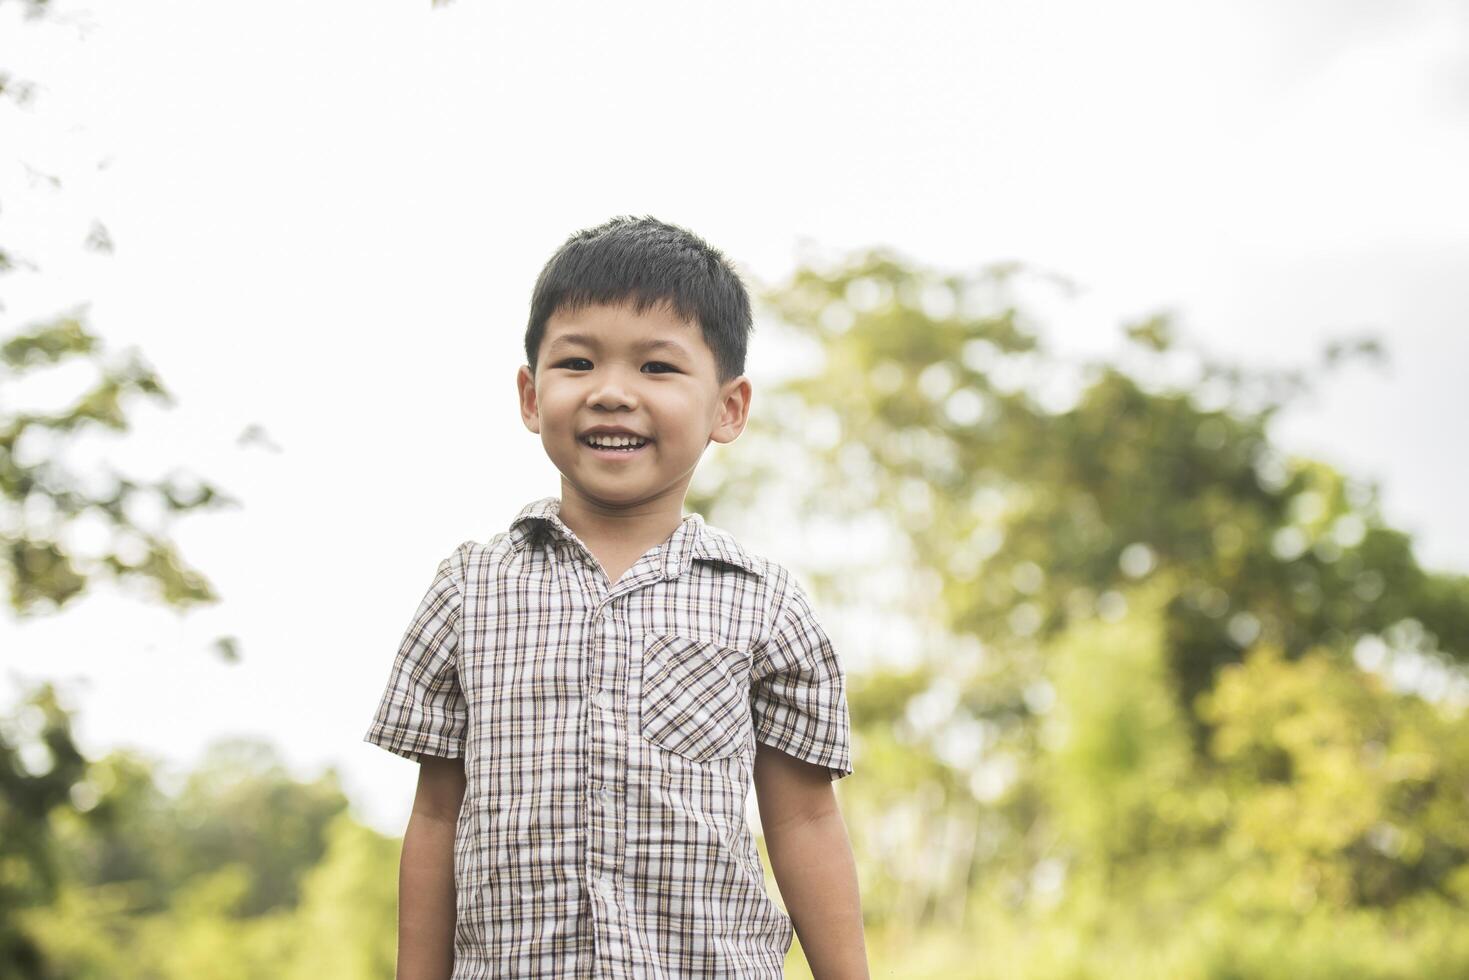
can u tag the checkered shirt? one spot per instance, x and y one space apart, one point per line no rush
608 734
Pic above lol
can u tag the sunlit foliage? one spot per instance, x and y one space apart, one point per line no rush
1161 697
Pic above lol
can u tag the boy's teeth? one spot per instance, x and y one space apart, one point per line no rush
615 442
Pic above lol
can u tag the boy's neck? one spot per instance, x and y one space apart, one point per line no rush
630 531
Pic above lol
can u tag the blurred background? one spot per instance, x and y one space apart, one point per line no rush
1109 368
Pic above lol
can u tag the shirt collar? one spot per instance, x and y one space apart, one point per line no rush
692 539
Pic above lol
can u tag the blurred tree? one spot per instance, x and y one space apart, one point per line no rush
39 766
337 923
41 499
45 567
240 805
1099 539
1344 792
345 924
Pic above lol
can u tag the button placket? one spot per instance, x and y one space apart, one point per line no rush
604 758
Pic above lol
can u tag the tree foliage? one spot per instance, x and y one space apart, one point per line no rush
1167 678
1161 691
47 562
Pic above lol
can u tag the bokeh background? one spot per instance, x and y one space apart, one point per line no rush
1109 392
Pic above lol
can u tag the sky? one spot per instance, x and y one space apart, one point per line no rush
326 219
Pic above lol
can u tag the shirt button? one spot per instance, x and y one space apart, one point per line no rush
602 698
604 795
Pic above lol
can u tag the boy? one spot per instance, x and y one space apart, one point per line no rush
592 693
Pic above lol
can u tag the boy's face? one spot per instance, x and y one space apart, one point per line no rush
649 373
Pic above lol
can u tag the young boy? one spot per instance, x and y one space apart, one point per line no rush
592 693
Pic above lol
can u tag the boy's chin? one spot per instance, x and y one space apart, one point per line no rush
605 504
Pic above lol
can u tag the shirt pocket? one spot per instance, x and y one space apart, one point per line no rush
695 700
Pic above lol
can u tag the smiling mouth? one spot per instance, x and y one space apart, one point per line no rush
616 450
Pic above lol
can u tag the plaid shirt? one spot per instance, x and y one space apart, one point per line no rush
608 732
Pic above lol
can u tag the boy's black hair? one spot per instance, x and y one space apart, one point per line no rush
648 262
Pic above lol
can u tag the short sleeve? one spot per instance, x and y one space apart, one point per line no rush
798 693
422 710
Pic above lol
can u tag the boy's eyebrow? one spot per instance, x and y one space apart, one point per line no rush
571 339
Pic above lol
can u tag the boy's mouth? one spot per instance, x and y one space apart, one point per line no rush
615 447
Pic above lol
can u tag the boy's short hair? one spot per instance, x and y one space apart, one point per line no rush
648 262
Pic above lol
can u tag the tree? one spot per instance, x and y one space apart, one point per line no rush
42 501
244 872
1104 544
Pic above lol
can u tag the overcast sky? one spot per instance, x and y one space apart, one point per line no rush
327 218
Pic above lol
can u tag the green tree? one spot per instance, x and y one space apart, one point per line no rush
1102 543
344 924
39 766
42 499
240 806
244 872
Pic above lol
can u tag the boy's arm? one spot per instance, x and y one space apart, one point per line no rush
812 860
426 873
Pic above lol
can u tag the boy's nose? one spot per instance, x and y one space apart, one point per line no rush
612 392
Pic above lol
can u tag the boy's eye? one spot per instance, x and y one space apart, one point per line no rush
582 360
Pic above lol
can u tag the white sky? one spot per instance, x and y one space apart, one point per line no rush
328 217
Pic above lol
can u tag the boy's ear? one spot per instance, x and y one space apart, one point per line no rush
734 410
530 411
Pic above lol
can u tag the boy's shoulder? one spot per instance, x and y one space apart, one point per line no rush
716 544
